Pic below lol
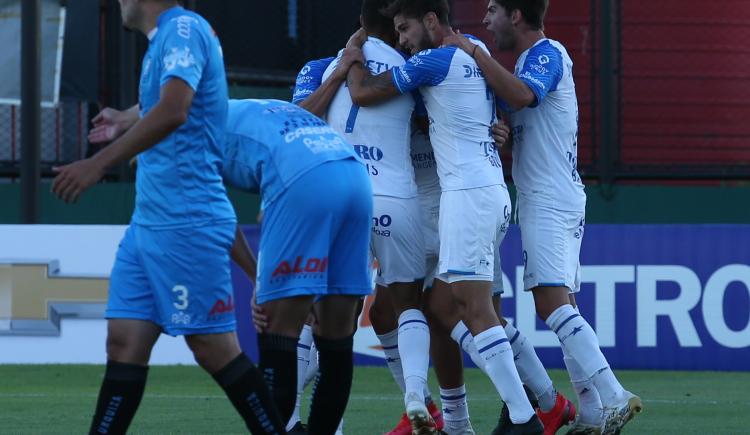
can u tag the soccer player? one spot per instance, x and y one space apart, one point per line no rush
473 198
172 265
314 244
540 97
381 136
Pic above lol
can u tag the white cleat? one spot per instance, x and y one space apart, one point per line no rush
421 421
615 418
462 427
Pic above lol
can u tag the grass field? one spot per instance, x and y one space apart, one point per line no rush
58 399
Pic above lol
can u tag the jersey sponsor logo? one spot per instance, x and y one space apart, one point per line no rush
300 265
472 71
323 144
290 136
380 225
369 153
423 160
377 67
221 307
304 71
178 57
181 318
490 153
544 59
404 75
527 75
539 69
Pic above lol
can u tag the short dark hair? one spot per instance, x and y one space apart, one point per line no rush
373 18
419 8
533 11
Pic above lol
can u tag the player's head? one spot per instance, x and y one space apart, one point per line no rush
419 22
375 22
506 18
134 12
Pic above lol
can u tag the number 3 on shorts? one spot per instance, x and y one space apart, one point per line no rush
182 297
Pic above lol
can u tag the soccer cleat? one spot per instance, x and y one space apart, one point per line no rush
580 428
564 412
298 429
616 417
506 427
437 416
402 428
419 417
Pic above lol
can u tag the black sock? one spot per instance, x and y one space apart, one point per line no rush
278 362
248 392
333 385
119 397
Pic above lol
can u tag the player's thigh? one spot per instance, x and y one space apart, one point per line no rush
349 270
551 242
469 225
130 292
189 270
398 240
336 316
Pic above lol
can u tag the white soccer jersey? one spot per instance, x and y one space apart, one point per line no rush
461 109
425 166
545 135
380 134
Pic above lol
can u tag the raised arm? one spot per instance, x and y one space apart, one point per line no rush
506 86
365 88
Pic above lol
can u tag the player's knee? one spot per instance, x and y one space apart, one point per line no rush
212 352
124 348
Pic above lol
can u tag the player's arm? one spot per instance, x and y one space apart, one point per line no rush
365 88
508 87
243 256
171 111
317 103
109 124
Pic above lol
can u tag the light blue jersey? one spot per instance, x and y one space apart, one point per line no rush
309 78
271 143
179 179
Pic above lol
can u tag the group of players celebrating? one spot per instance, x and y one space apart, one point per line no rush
388 154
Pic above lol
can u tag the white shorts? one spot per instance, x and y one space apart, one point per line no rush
430 206
473 223
397 240
551 241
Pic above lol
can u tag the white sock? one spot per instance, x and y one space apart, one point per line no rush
494 347
414 348
589 404
461 335
530 369
303 360
455 408
312 367
340 429
389 341
581 343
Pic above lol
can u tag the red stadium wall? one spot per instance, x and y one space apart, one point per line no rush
685 76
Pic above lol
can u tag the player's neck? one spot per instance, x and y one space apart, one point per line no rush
151 15
440 33
527 40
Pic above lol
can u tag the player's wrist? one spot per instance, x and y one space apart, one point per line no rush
474 50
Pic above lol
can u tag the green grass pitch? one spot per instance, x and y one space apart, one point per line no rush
59 399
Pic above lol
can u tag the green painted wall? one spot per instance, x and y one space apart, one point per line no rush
112 203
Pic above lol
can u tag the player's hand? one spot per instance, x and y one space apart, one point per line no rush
500 133
110 124
349 57
260 318
74 179
459 40
357 39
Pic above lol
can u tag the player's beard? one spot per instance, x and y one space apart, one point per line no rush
505 39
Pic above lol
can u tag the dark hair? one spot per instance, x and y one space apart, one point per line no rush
373 19
419 8
532 10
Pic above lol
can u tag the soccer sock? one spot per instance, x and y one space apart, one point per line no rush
581 343
312 367
389 341
589 403
414 348
455 408
492 344
278 362
461 335
245 387
303 361
333 386
530 369
119 397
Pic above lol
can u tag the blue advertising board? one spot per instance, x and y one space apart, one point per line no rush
668 297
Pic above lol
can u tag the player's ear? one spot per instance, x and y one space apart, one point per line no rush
430 21
516 17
